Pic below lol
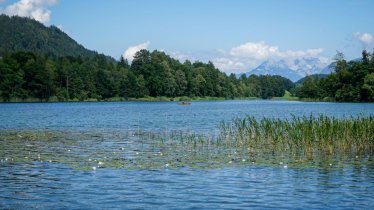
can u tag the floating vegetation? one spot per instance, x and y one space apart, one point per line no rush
297 142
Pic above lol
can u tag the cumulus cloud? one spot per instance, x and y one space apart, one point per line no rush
366 39
36 9
182 56
249 55
130 52
228 65
259 50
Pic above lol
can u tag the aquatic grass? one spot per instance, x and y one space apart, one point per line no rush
309 141
301 134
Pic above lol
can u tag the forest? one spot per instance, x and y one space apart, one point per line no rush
25 75
39 63
24 34
351 81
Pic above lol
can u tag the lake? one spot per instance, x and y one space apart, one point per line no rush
68 159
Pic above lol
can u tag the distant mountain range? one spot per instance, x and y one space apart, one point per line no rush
293 70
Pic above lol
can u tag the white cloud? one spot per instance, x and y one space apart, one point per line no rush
366 39
130 52
229 65
259 50
60 27
36 9
301 53
249 55
181 56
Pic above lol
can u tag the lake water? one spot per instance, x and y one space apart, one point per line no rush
200 116
57 184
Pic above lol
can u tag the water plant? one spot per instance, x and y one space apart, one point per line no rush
304 135
295 142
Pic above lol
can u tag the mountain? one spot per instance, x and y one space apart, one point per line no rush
315 76
25 34
271 67
292 69
327 70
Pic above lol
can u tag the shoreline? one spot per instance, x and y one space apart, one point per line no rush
192 100
120 99
166 99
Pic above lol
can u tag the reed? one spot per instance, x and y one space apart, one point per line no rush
307 141
300 135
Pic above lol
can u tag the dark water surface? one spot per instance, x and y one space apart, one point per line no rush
55 185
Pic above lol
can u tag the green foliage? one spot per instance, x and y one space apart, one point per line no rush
308 89
352 81
368 87
43 63
306 135
28 75
264 86
25 34
297 142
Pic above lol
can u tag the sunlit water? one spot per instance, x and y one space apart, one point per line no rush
53 184
200 116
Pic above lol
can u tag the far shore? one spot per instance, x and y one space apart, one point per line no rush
119 99
286 97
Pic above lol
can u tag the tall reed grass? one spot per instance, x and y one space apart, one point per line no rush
303 135
298 141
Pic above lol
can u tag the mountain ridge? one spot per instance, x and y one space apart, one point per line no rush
291 69
25 34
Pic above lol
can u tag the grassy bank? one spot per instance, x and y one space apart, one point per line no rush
287 97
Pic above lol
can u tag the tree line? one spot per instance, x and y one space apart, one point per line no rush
351 81
29 75
45 64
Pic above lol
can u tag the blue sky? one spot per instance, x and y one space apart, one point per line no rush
236 35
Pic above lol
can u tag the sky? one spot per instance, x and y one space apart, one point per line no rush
236 35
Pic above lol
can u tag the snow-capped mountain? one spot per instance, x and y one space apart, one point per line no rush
327 70
271 67
292 69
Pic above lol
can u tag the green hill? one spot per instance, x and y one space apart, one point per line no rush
314 76
25 34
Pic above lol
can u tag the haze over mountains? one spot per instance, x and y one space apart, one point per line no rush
293 69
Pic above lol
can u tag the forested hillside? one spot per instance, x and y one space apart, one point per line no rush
24 34
351 81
